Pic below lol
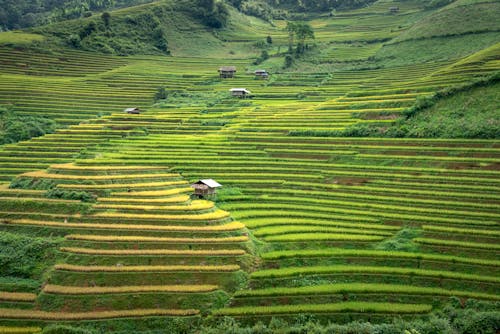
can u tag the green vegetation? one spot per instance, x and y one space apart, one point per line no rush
14 127
320 220
16 14
26 257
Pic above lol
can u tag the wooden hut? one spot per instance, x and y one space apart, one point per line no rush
205 187
240 92
227 71
132 110
262 74
394 10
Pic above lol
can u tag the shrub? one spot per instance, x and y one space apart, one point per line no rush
161 93
24 256
64 329
69 194
14 127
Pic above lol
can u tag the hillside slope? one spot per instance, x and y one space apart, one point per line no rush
309 228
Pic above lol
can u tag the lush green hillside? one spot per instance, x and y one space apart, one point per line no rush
312 231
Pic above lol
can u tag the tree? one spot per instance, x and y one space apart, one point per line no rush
303 31
290 28
288 61
106 17
269 40
88 29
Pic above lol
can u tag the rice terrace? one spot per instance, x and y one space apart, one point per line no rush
250 166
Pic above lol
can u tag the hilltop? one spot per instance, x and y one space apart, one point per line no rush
360 180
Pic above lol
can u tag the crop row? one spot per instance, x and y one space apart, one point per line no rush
255 210
158 201
86 168
460 244
470 231
214 228
173 268
167 252
344 194
285 229
17 296
327 289
121 238
338 252
6 313
193 206
155 193
303 237
122 185
43 174
355 307
20 330
326 270
76 290
210 216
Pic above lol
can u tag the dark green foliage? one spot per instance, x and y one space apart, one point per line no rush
14 128
65 329
288 61
457 319
161 94
70 194
32 183
74 41
15 14
143 32
106 18
402 241
300 31
88 30
263 56
26 257
319 5
269 40
214 14
258 9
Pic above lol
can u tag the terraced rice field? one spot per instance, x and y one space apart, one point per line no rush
368 227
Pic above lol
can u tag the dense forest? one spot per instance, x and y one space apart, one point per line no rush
15 14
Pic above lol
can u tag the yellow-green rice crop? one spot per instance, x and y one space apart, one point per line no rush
217 214
42 174
131 238
356 307
327 289
17 296
214 228
77 290
173 252
173 268
6 313
343 269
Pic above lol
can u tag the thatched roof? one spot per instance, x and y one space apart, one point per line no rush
227 69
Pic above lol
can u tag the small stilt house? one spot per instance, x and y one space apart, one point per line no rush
205 187
132 110
394 10
262 74
227 72
240 92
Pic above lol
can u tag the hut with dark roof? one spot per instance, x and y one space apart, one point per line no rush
227 72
